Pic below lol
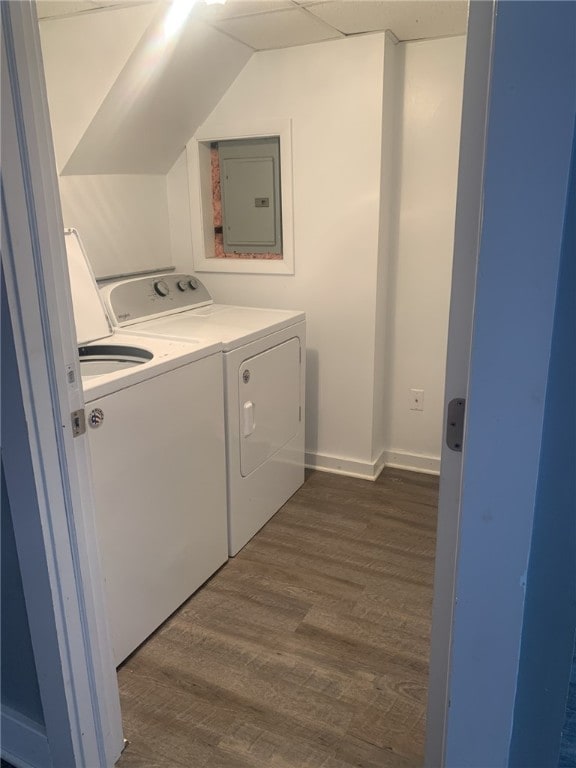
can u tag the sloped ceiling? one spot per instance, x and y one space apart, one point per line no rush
83 55
168 88
165 91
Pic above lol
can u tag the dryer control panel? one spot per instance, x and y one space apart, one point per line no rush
144 298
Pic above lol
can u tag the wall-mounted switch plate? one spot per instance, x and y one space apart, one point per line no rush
416 399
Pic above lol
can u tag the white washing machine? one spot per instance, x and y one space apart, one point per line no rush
155 425
264 380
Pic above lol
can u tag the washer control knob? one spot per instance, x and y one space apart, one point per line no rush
161 288
182 285
193 283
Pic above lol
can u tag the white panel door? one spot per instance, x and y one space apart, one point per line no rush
269 403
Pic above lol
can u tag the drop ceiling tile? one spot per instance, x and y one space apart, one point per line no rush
278 30
235 8
408 19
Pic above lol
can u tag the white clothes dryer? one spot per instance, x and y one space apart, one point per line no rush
155 425
264 382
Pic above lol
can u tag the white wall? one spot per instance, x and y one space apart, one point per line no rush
389 174
375 287
422 262
122 108
333 94
123 220
374 282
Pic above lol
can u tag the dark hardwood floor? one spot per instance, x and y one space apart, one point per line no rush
308 649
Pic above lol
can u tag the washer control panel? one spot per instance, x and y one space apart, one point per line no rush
142 298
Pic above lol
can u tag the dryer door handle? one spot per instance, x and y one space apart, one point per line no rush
248 418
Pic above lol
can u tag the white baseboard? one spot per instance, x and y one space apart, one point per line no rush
370 470
366 470
340 466
24 743
415 462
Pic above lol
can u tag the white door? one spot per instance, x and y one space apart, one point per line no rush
269 403
466 243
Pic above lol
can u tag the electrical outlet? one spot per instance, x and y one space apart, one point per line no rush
416 399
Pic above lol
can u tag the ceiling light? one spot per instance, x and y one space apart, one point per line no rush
176 16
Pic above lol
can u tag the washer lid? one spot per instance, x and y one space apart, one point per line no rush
90 316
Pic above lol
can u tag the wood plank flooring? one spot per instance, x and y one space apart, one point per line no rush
308 649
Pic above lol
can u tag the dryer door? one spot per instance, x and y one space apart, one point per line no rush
269 403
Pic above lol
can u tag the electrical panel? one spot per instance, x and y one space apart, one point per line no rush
250 195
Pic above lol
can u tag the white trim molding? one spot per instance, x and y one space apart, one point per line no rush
415 462
200 187
370 470
339 465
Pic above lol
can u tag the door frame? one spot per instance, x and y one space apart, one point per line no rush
479 47
47 469
87 695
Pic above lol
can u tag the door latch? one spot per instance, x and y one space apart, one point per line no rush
455 423
78 420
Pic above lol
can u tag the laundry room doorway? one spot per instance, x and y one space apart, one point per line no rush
42 277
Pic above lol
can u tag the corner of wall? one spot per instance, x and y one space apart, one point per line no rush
178 194
387 241
414 281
